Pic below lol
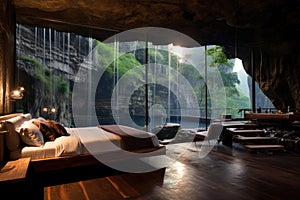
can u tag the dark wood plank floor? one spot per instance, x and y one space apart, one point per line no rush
226 173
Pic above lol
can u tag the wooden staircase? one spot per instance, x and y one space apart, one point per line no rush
255 140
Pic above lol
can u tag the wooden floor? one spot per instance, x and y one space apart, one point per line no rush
225 173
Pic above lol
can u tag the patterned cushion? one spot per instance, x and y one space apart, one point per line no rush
31 134
50 129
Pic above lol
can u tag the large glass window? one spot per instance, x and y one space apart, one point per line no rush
164 80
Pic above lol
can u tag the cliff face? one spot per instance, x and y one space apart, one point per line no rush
47 63
59 51
270 27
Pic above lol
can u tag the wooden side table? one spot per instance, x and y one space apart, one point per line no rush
13 178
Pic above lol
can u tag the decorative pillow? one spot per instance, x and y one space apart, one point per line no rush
41 119
50 128
13 140
27 116
48 132
31 134
60 129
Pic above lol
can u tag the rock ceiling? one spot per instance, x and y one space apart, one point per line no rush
269 27
253 23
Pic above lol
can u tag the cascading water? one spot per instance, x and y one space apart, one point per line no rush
52 59
89 80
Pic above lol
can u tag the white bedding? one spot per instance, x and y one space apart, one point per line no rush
95 139
82 140
61 146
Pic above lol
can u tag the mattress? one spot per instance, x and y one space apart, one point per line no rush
82 140
38 138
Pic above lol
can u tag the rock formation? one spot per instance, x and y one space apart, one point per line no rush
7 23
269 29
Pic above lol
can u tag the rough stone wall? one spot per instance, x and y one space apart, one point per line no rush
7 59
279 77
60 52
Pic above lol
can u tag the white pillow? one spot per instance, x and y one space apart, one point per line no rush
31 134
12 138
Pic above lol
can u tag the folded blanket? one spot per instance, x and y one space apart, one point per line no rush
131 138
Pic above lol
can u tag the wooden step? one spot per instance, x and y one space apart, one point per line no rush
264 147
254 139
243 131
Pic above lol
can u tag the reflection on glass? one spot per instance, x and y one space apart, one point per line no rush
48 62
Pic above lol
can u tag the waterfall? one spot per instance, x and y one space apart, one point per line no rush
89 79
116 73
69 71
50 63
19 49
69 41
46 56
35 41
169 82
44 46
63 50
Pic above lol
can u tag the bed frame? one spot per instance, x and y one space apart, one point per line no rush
67 169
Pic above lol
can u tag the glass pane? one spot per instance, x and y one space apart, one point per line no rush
236 82
263 103
140 83
240 102
187 78
43 62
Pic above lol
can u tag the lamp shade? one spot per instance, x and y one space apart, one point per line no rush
17 93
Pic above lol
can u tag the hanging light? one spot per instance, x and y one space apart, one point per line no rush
49 110
53 110
17 93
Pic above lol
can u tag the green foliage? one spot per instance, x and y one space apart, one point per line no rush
50 84
126 62
38 71
234 103
104 54
218 56
62 86
154 56
219 59
105 59
191 74
32 60
234 98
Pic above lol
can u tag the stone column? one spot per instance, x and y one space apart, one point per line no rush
7 54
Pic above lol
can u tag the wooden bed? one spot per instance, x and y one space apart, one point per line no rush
82 165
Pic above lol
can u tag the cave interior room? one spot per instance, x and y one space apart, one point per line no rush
142 99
